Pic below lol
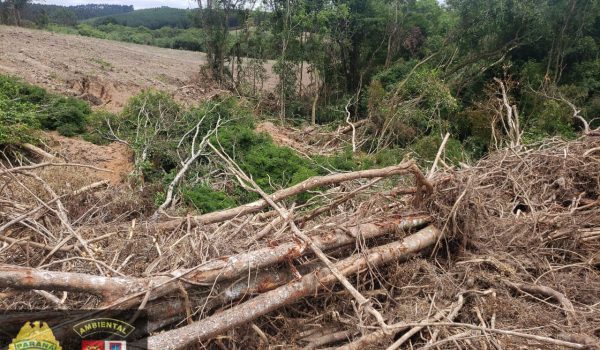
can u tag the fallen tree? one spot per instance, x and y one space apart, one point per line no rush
266 302
118 291
528 214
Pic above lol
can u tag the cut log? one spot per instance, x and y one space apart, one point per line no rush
38 151
270 301
29 279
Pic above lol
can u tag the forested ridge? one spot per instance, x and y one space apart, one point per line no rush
419 175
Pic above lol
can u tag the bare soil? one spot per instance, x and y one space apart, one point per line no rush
104 72
115 157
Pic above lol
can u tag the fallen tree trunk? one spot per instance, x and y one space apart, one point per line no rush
309 184
226 268
231 267
277 298
30 278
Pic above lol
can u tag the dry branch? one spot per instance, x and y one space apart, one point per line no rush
549 292
269 301
38 151
49 164
309 184
438 156
226 268
328 339
416 329
378 336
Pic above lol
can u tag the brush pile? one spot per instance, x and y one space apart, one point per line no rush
503 254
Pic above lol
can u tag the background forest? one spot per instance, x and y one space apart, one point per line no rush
415 69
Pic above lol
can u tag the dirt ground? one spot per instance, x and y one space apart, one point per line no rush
104 72
115 157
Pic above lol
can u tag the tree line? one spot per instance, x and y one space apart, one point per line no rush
419 68
487 72
16 11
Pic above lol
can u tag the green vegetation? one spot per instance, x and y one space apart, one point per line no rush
24 12
434 68
166 137
154 18
161 133
489 72
26 108
172 38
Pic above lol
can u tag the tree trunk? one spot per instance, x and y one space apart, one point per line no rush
220 269
267 302
313 114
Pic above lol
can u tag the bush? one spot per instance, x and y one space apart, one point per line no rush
18 121
25 108
427 147
14 88
97 130
207 200
404 109
66 115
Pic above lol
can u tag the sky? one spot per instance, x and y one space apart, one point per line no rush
137 4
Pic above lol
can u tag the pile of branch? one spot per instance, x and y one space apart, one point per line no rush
282 264
378 258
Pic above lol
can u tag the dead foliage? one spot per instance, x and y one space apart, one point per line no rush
510 260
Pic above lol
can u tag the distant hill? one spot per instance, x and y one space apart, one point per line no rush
154 18
57 13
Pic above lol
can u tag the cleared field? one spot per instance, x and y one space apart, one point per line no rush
102 71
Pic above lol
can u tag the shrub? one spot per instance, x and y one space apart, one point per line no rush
14 88
403 110
206 199
65 114
97 129
25 108
553 118
427 147
18 121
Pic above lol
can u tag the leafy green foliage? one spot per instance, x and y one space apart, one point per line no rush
158 129
153 18
17 121
173 38
25 108
206 200
67 115
408 103
427 147
415 69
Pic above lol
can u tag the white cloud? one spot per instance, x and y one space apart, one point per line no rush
137 4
